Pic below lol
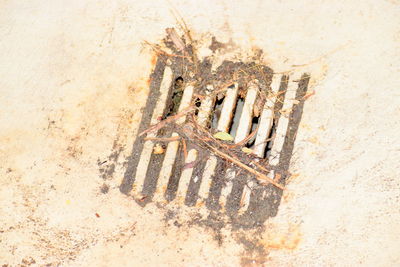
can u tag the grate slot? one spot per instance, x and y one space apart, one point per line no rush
206 180
242 132
263 133
145 156
250 194
224 124
267 118
186 176
245 199
283 123
172 149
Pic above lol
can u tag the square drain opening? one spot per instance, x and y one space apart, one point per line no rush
176 158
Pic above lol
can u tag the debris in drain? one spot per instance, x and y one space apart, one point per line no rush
247 150
174 37
143 198
223 136
226 132
158 149
176 96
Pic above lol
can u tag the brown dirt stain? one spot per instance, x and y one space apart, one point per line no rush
282 240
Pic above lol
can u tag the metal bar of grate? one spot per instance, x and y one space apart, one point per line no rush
228 107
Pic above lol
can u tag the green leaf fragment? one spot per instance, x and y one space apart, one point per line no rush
223 136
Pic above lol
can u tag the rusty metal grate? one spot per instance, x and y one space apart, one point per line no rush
202 180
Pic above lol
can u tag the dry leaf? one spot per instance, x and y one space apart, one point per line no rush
223 136
158 149
247 150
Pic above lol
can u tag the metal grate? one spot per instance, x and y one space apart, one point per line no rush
202 180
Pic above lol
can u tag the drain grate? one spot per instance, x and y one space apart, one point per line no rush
260 109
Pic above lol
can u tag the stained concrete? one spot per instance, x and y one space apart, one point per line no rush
74 79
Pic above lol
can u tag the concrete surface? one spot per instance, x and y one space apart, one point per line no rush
74 76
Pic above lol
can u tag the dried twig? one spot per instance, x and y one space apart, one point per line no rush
224 87
162 52
234 160
243 198
185 153
201 97
163 139
244 141
208 136
259 175
181 22
162 123
309 94
265 141
179 44
259 166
